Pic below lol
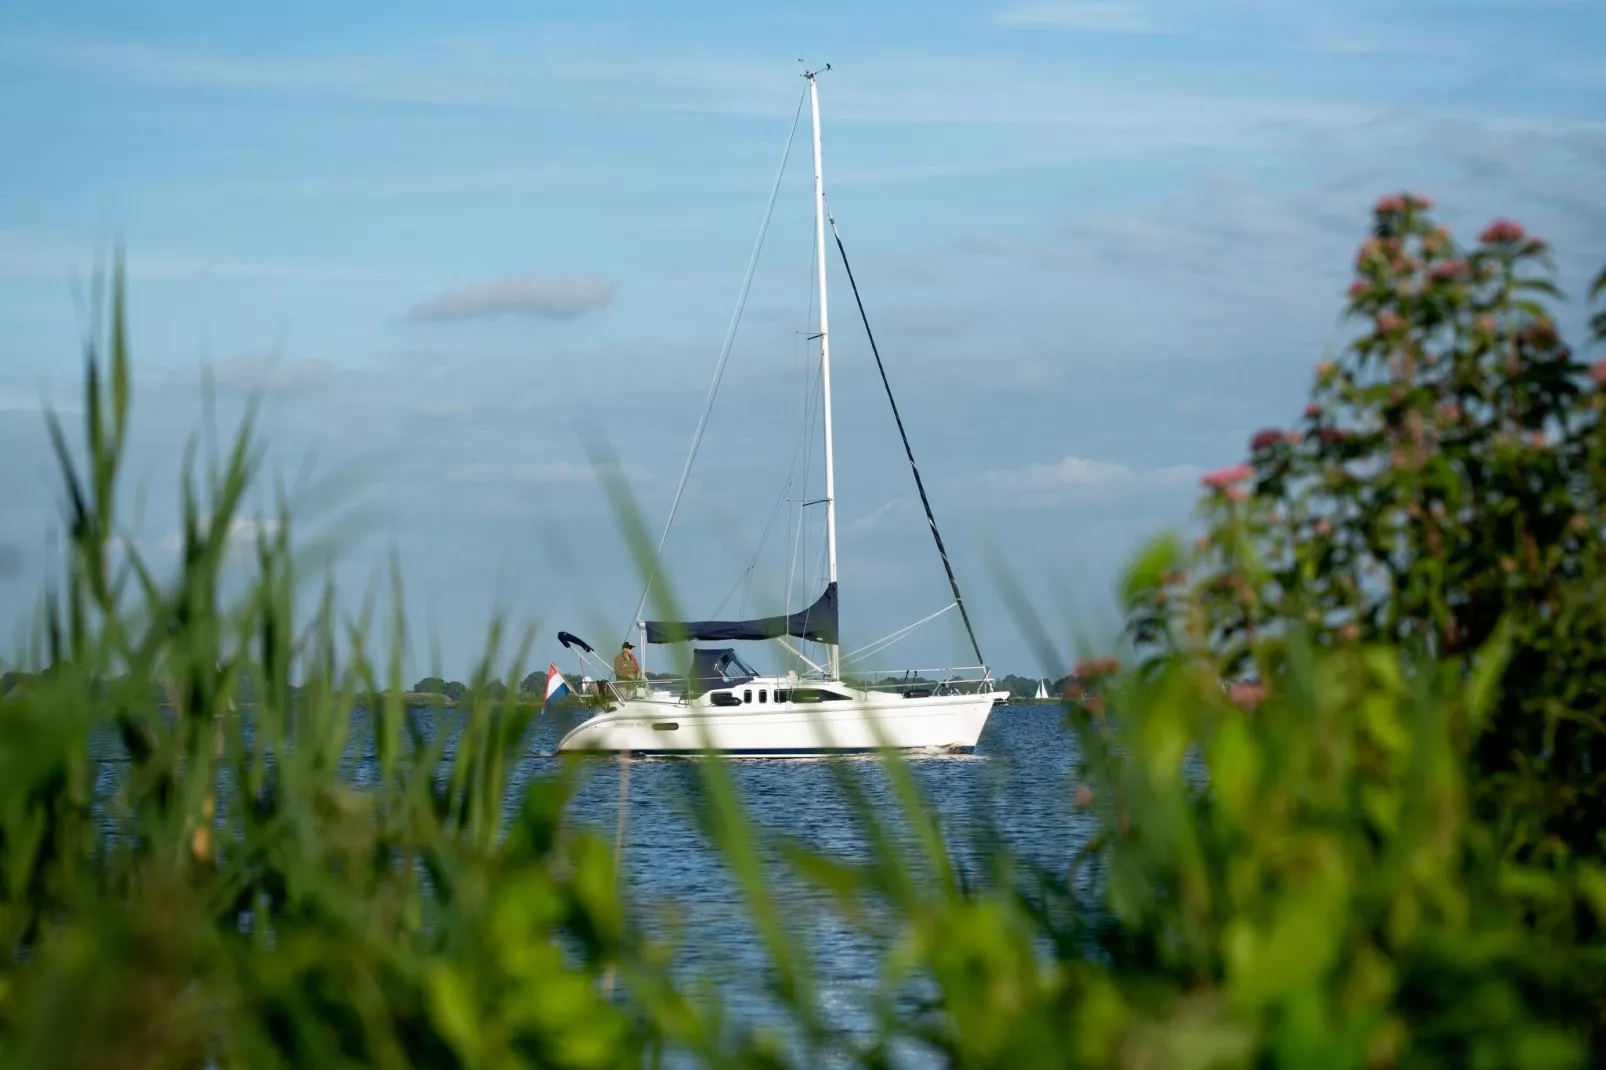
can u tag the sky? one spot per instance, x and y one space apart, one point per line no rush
465 254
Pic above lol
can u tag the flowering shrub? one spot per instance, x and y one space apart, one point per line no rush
1398 856
1448 478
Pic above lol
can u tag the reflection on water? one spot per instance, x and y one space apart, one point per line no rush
1016 780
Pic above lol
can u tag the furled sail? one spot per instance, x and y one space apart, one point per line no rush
817 624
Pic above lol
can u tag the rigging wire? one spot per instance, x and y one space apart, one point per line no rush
811 385
920 484
746 574
820 570
886 641
724 357
798 533
800 455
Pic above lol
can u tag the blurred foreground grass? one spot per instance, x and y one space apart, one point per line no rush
1396 858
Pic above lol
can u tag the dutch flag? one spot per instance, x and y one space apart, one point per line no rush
556 685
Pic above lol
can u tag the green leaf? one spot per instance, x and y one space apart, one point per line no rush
1161 555
1483 688
451 1005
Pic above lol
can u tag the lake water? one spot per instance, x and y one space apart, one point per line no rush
1018 777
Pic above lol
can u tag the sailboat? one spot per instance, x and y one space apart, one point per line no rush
1042 691
722 704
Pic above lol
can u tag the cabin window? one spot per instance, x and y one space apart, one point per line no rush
725 698
816 694
763 695
782 696
747 696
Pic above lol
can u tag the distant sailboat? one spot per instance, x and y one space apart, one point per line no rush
1042 691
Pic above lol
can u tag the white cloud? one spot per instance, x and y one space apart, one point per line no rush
269 373
242 532
28 255
528 71
546 297
17 399
1118 16
530 473
876 517
611 68
1078 479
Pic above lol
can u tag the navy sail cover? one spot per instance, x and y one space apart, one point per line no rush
816 624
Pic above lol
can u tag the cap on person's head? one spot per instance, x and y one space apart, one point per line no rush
627 646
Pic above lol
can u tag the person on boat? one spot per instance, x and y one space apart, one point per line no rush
625 666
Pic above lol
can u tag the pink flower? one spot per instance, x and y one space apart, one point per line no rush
1502 232
1484 324
1450 271
1293 438
1390 205
1597 372
1541 332
1096 668
1323 527
1534 246
1236 494
1325 370
1419 202
1388 321
1084 796
1222 478
1313 411
1358 288
1450 412
1349 632
1246 695
1331 436
1174 578
1265 440
1537 440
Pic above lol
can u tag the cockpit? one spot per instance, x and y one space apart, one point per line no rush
711 669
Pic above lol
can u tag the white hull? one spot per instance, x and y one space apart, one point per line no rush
664 723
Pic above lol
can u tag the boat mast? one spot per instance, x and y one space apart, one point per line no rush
835 662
